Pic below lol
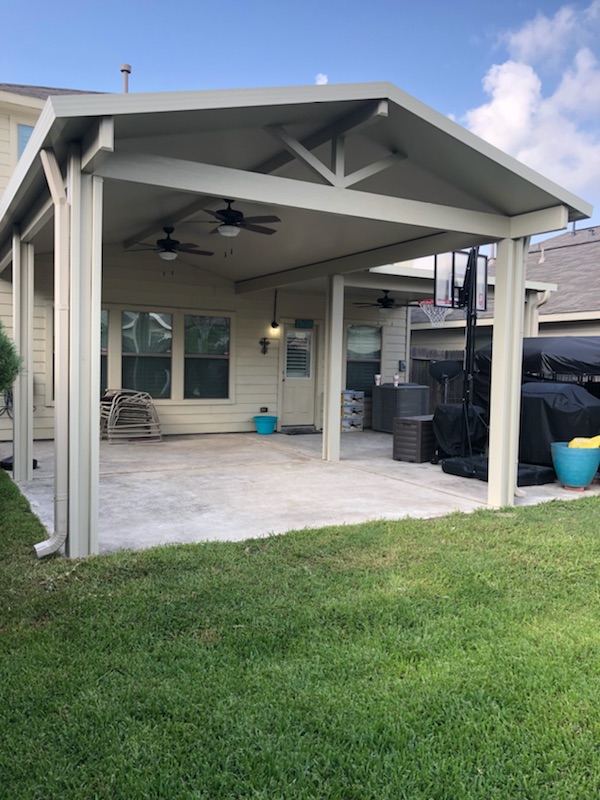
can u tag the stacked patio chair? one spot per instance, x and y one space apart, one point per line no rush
127 415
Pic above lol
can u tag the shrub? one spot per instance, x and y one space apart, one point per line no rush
10 361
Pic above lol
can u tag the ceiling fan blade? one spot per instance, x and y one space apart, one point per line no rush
193 252
268 218
208 211
181 245
258 229
143 248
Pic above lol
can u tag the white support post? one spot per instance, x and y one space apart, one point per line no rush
23 339
507 358
85 200
334 361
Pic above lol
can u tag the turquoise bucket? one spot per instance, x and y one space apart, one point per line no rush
575 467
265 424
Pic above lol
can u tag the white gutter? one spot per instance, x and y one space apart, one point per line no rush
61 379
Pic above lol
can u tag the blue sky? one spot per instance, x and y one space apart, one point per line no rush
523 74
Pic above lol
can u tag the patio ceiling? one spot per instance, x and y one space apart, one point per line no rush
165 157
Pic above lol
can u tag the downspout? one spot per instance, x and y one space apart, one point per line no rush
61 305
532 326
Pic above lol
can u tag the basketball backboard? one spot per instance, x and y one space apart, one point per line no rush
450 272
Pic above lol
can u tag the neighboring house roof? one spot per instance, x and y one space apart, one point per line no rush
38 92
571 260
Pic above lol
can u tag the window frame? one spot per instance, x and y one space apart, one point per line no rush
379 361
115 354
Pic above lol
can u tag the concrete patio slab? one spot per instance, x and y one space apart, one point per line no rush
231 487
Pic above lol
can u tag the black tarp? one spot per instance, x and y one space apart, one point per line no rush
449 429
549 358
554 412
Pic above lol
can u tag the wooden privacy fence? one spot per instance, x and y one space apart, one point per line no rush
420 361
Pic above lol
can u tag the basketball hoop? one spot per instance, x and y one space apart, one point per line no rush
435 314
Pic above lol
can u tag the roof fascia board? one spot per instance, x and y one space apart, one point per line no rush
22 101
193 177
570 316
25 169
157 102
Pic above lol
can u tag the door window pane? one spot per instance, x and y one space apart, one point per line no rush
298 347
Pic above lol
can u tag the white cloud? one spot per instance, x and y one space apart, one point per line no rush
553 128
321 79
543 36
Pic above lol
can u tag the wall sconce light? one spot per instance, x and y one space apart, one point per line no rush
275 324
264 345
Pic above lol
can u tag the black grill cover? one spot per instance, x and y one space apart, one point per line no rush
448 429
554 412
546 357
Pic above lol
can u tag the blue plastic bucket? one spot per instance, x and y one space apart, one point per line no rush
265 424
575 467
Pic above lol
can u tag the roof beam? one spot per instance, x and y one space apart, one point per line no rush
544 221
355 262
196 178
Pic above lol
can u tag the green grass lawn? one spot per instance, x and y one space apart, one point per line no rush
450 658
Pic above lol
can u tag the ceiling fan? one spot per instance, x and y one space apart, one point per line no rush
231 221
168 248
385 303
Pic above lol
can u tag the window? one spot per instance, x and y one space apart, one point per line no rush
363 357
23 134
207 346
147 338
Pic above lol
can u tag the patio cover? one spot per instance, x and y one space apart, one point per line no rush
360 175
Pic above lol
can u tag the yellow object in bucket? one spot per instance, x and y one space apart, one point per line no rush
583 442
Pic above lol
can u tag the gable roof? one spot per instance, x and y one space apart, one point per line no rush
414 182
38 92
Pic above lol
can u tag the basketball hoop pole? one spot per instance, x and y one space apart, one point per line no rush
468 297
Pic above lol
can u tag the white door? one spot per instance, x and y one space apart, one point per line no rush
298 402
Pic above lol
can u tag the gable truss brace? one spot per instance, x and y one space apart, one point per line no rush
337 177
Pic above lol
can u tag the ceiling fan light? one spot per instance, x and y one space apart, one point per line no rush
168 255
228 230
